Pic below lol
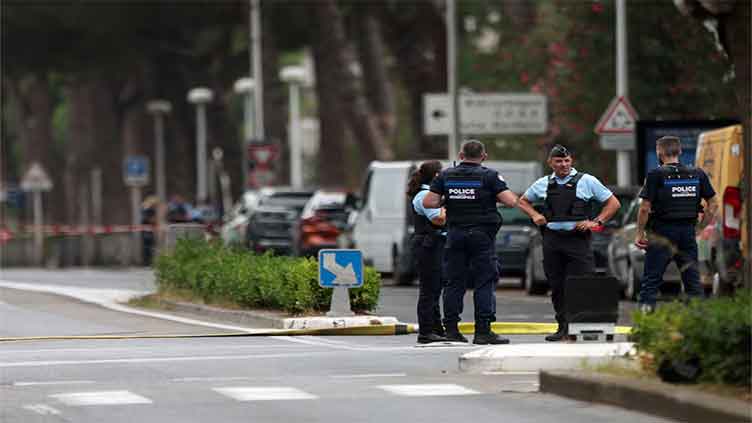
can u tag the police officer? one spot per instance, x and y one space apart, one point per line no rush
428 247
566 224
671 202
471 192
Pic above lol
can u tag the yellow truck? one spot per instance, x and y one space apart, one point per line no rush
720 154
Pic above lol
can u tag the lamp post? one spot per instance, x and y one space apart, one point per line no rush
294 77
200 96
159 109
245 87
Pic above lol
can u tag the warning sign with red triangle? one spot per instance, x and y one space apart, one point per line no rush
620 118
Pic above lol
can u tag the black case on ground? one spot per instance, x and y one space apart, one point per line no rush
591 298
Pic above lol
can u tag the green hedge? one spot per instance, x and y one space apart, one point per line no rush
215 272
717 332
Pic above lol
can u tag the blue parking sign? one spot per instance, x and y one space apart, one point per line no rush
136 170
340 268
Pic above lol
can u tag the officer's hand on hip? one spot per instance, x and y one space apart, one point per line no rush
641 240
539 219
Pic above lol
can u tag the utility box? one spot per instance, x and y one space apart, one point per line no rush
591 304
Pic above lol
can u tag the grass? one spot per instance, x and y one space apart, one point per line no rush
157 300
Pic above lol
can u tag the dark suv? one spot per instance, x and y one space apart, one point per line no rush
270 227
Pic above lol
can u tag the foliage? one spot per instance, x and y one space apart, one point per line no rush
217 273
718 332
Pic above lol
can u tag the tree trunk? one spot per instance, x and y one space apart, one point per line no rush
275 96
330 34
331 170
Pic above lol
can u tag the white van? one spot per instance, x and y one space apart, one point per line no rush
383 220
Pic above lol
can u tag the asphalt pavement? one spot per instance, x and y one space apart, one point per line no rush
280 379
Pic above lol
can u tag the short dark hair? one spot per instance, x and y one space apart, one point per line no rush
473 149
559 150
669 145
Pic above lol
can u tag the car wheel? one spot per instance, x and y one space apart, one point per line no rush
531 285
632 290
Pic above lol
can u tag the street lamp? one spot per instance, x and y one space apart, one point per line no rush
295 76
245 86
159 109
200 96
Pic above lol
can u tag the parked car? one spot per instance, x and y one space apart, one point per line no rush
323 219
720 155
270 227
235 221
627 262
513 241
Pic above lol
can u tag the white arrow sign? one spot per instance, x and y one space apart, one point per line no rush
343 275
36 179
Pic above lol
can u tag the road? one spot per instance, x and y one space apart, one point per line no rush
230 379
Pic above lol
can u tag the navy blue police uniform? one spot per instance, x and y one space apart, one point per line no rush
470 191
674 192
427 244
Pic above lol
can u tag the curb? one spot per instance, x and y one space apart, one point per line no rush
536 357
646 396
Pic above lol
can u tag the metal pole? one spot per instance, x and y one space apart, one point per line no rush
256 70
623 158
159 149
451 26
135 220
296 164
201 153
38 235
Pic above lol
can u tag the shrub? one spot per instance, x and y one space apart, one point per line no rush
215 272
716 332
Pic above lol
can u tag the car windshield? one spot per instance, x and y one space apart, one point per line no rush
514 216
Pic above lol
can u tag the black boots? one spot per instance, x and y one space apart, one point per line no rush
485 336
561 333
427 338
453 333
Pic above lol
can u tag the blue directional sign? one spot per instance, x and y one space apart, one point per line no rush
340 268
136 170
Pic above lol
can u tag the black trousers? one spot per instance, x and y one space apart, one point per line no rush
429 251
565 253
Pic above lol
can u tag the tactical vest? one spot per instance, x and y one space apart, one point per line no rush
423 226
469 200
678 197
562 204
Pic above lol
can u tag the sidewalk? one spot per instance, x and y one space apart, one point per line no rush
646 396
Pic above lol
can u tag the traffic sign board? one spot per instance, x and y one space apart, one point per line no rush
136 171
36 179
340 268
262 155
620 118
486 113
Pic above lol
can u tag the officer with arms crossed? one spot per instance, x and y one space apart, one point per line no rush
471 192
565 224
671 202
427 244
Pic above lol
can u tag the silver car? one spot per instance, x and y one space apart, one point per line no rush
627 262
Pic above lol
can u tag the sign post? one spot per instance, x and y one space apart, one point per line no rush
135 176
340 269
37 181
617 132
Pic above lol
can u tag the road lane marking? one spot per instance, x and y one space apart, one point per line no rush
147 349
42 409
265 393
211 379
368 376
502 373
428 390
54 382
80 399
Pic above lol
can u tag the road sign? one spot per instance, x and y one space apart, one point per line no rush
262 155
619 118
36 179
136 171
619 142
487 113
340 268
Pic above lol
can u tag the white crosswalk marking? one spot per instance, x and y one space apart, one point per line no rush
77 399
42 409
264 393
428 390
